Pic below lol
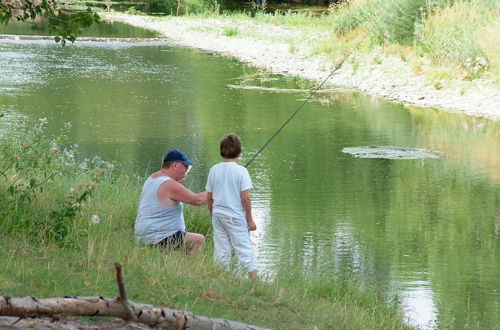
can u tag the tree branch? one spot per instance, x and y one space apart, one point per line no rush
114 307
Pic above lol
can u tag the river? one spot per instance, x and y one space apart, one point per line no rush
427 229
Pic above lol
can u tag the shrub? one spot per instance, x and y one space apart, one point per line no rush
448 32
350 15
453 33
34 170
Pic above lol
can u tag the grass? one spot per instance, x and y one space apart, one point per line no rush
230 31
100 232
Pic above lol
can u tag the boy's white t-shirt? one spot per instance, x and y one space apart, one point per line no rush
226 181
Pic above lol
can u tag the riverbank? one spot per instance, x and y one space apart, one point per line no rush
291 51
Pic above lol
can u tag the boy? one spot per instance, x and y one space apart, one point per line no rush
228 198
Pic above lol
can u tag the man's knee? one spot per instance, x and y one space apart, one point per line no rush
195 238
200 239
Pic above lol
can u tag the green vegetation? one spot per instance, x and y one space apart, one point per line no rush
230 31
459 36
463 34
64 222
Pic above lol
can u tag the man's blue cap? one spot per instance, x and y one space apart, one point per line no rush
175 155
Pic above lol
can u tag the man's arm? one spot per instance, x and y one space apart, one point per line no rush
247 206
176 191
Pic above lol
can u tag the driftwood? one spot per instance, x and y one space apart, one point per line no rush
121 307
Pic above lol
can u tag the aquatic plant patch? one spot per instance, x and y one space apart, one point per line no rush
390 152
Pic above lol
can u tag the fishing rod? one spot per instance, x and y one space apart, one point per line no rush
338 66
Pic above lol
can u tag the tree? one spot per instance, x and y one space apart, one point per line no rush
65 27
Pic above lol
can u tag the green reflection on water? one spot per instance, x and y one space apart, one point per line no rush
428 229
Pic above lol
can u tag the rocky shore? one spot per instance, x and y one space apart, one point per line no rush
283 50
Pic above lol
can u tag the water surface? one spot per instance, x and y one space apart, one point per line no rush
427 229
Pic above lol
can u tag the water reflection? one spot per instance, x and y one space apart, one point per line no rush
427 229
418 298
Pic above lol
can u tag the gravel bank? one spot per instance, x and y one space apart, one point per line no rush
263 46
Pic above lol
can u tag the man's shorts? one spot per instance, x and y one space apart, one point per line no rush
174 241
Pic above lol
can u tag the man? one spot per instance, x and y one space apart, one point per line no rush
160 218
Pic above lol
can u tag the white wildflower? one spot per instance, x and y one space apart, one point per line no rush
54 148
69 154
72 190
96 160
95 219
43 120
481 61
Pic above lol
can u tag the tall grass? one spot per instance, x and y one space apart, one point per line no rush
349 15
101 233
464 30
452 33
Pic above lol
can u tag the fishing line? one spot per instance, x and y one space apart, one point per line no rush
304 103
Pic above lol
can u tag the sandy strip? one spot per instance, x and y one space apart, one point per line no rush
262 46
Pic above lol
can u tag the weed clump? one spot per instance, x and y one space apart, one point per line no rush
42 183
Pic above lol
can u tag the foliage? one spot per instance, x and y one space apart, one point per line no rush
65 28
31 169
453 33
132 11
394 20
463 33
230 31
260 6
188 7
198 220
350 15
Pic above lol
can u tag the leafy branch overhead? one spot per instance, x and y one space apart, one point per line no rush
65 27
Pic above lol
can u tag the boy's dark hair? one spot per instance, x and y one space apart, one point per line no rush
230 146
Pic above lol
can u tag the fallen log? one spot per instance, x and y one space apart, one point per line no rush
120 307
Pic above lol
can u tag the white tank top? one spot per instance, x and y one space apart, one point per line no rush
154 221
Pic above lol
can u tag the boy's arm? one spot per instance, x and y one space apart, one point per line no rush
210 202
247 206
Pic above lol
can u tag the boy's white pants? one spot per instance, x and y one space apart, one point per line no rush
232 233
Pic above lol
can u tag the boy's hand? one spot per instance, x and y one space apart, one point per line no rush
251 225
